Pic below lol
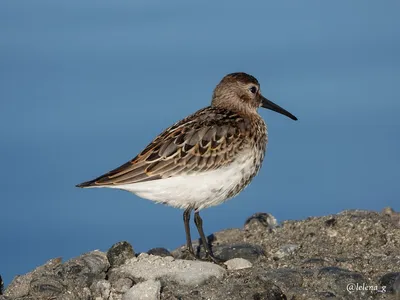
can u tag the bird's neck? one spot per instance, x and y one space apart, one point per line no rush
238 106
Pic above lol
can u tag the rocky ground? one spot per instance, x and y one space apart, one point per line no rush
351 255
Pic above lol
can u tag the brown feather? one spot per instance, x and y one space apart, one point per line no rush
206 140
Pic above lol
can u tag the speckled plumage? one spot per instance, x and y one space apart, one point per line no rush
208 140
206 158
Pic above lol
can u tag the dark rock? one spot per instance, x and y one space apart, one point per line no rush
89 265
272 294
159 252
46 287
246 251
70 280
119 253
330 222
1 286
285 278
336 280
396 286
81 273
339 274
260 222
224 252
388 280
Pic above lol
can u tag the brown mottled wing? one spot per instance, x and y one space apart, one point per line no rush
206 140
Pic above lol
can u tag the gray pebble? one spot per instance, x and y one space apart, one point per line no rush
238 264
101 289
121 285
119 253
393 215
286 250
20 285
147 290
159 252
184 272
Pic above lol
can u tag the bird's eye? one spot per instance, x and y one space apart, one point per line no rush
253 89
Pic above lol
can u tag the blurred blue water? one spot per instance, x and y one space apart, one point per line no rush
84 86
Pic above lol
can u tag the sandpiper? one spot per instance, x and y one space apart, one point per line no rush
204 159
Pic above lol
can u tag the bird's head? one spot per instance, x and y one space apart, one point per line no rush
241 91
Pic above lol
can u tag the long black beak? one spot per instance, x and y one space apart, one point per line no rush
272 106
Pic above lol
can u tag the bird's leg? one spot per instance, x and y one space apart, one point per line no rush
199 224
186 219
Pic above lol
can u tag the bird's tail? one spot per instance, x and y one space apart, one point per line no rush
86 184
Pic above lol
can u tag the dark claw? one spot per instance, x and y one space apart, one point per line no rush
188 255
212 258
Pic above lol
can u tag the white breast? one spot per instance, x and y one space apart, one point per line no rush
197 191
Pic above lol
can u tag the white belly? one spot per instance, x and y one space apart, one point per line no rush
197 191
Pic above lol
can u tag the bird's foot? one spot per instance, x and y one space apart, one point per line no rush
189 254
211 258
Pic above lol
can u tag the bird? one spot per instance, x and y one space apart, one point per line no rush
204 159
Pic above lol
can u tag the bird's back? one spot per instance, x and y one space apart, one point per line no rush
225 145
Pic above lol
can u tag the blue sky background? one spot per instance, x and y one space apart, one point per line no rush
85 85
